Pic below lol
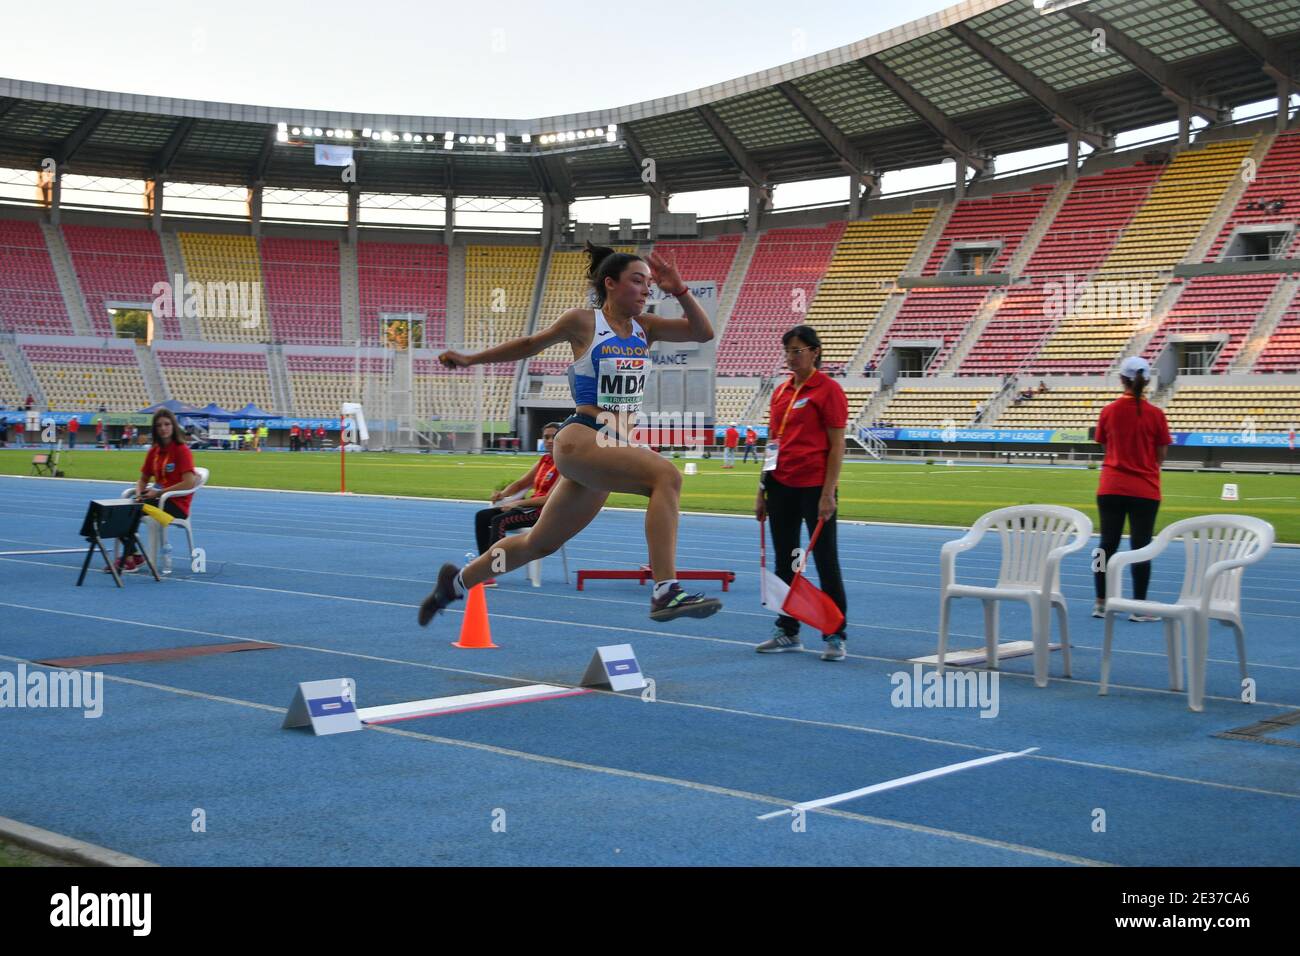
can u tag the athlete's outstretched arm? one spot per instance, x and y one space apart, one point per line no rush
695 326
564 329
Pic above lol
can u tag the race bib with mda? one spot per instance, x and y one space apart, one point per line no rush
621 383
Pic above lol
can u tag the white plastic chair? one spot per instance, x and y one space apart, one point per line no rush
1217 549
157 530
1035 538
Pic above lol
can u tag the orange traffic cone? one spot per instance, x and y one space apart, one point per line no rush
474 629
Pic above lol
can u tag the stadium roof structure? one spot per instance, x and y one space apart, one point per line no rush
980 78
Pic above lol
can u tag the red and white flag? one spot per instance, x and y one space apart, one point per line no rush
800 599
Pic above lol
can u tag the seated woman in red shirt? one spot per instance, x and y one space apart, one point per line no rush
170 465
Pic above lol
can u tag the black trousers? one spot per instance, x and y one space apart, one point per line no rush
750 450
787 508
173 509
491 524
1141 515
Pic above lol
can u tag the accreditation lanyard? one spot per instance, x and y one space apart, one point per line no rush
773 446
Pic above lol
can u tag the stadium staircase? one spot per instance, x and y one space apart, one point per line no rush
456 297
21 373
1080 236
217 259
1228 206
1257 338
973 331
758 406
996 405
171 247
939 219
73 300
116 266
281 389
1139 264
735 279
788 263
349 294
530 326
30 298
870 289
1281 351
85 376
1217 226
152 375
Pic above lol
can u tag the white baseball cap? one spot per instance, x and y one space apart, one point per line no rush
733 424
1134 365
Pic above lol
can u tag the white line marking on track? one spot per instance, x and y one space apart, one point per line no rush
896 783
857 728
627 774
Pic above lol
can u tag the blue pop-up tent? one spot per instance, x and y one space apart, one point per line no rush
214 410
252 411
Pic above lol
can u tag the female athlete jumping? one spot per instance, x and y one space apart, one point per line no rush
611 349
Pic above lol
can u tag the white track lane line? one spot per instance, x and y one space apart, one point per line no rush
627 774
377 537
589 597
896 783
1158 580
857 728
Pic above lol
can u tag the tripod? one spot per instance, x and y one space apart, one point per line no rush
113 518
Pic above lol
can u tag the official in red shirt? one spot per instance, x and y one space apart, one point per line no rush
751 444
730 439
805 449
294 434
169 465
1135 435
73 425
491 524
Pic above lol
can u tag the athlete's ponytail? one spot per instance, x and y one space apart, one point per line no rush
1136 385
606 264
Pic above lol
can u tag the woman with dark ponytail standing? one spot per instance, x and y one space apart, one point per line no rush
611 358
1135 435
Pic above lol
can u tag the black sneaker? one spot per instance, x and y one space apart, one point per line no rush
677 603
443 593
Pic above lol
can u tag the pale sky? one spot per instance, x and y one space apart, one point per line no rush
501 59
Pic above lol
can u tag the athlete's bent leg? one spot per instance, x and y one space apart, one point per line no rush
569 508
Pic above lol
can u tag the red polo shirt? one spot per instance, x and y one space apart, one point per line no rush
167 466
1131 439
731 438
546 477
803 444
